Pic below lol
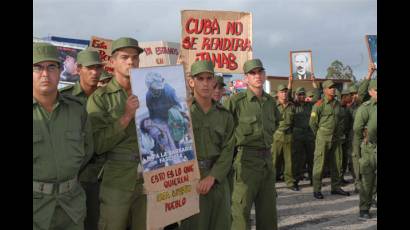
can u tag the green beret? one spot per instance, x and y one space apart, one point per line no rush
373 84
201 67
282 87
252 64
125 43
45 52
88 58
300 90
328 84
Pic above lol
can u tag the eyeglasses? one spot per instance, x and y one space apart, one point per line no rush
50 68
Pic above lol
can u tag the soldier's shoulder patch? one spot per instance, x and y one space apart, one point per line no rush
319 102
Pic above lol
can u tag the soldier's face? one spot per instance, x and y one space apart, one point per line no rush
203 85
45 77
90 75
373 93
346 99
330 93
218 92
301 64
255 78
123 60
301 97
282 95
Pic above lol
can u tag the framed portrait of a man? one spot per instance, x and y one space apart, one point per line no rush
371 41
301 66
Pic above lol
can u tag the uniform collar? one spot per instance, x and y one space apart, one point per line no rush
327 100
77 89
373 102
194 102
250 95
113 86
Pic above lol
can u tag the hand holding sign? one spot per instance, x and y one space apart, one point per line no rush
205 185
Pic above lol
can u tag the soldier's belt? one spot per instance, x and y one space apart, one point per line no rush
263 152
206 164
50 188
122 157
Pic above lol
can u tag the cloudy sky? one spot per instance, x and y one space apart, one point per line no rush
332 29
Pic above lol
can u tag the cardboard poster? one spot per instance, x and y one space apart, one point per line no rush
103 47
159 53
225 37
166 144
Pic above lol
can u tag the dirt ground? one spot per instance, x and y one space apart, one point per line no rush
300 210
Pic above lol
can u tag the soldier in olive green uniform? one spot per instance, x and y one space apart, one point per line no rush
326 122
90 68
219 91
346 142
214 142
283 137
365 135
112 111
358 95
62 145
254 175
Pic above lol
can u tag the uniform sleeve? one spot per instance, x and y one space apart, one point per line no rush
88 139
224 163
362 92
314 119
359 124
230 106
107 132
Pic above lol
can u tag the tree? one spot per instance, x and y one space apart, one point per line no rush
337 70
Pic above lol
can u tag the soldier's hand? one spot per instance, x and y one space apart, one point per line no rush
205 185
371 68
132 105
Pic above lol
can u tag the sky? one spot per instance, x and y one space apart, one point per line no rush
332 29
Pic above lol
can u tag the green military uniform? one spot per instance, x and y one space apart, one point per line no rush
346 142
326 122
304 140
254 174
365 135
214 142
89 175
362 95
283 138
62 145
121 192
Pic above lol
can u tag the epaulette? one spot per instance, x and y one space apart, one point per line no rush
66 88
319 102
73 98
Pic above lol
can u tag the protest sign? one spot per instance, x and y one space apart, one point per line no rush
103 47
371 42
159 53
166 144
224 37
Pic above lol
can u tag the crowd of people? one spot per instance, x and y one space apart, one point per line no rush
86 162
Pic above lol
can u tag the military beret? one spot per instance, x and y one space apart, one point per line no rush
282 87
220 80
373 84
328 84
88 58
45 52
353 89
252 64
201 67
300 90
125 43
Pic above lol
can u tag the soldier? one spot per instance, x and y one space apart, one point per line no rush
104 79
346 143
219 90
254 175
89 68
62 145
304 140
283 137
214 142
358 96
326 122
365 135
112 111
